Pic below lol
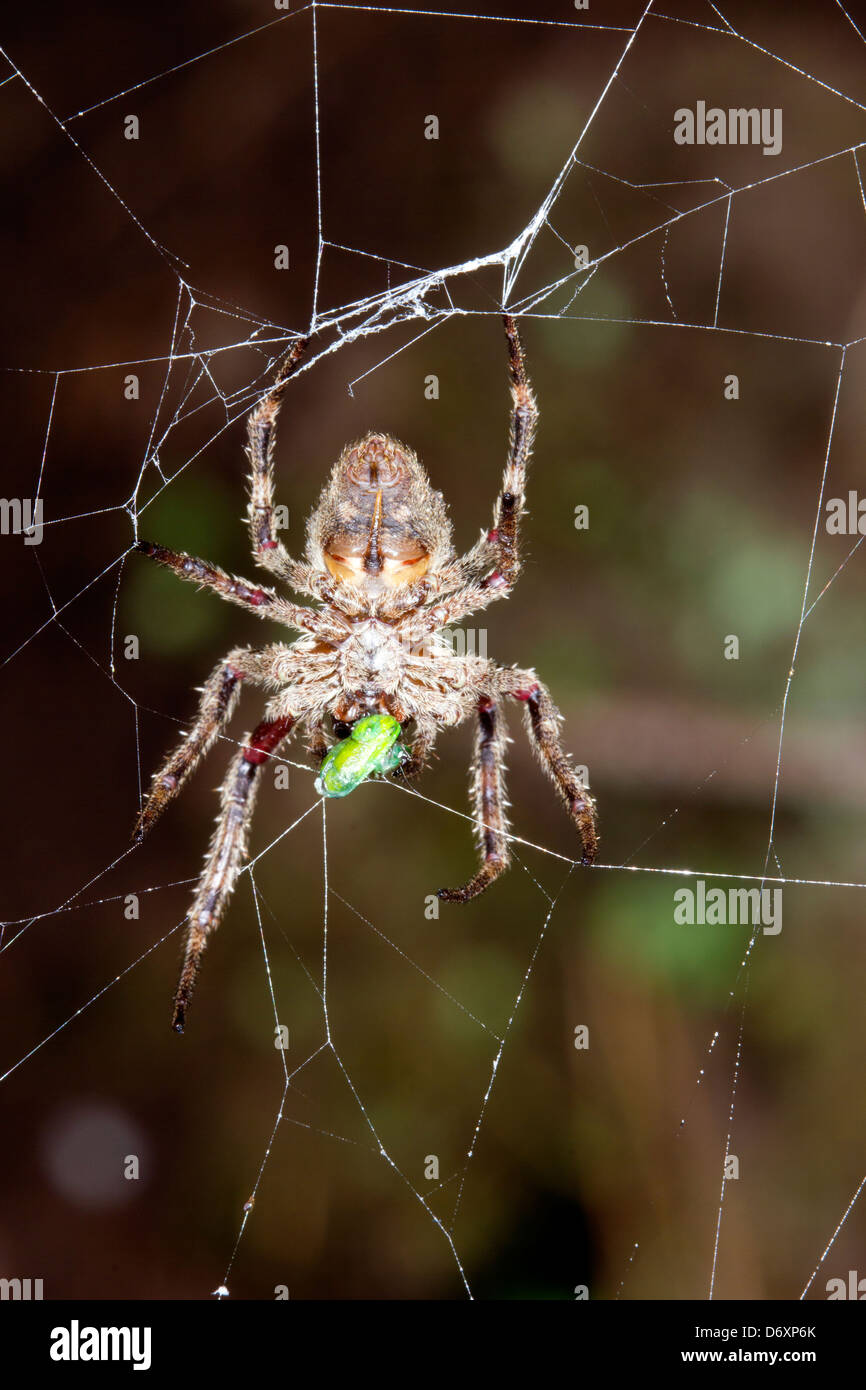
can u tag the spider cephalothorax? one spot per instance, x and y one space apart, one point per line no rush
370 679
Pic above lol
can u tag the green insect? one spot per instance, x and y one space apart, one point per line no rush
370 748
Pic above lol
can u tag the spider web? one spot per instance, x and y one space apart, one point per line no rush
149 265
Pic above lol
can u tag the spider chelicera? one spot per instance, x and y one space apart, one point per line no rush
380 562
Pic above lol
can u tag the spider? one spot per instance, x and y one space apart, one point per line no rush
380 562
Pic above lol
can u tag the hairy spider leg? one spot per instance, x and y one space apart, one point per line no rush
543 722
488 796
217 705
492 565
488 571
510 504
228 848
263 602
268 550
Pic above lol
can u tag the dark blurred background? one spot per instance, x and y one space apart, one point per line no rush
701 519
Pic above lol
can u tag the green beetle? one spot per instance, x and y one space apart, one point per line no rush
370 748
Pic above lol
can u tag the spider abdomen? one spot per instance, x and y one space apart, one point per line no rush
379 524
